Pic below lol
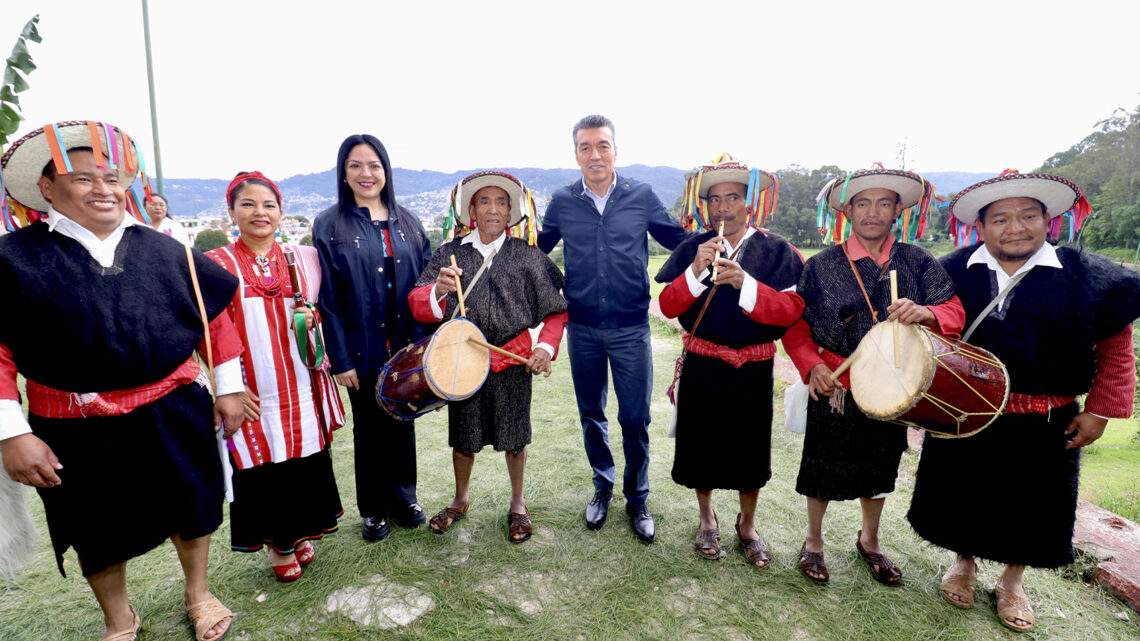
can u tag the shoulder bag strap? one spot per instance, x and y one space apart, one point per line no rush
993 303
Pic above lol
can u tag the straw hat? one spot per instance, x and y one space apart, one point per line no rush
467 188
907 184
731 171
1057 194
24 162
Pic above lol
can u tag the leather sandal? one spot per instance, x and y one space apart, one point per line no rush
813 562
127 635
755 550
708 540
305 553
519 527
883 569
205 614
1011 605
961 585
445 518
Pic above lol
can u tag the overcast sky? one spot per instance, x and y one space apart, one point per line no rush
972 86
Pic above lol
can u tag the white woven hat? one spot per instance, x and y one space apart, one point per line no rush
1057 194
907 184
467 188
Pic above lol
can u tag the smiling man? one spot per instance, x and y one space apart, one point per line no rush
732 322
603 220
519 289
119 440
1060 320
846 290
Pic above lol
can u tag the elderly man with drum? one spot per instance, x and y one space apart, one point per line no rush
506 287
846 290
733 309
1060 320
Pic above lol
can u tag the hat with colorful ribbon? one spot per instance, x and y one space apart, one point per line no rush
523 222
24 162
1060 196
915 195
760 197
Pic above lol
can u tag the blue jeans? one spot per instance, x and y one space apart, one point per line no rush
630 359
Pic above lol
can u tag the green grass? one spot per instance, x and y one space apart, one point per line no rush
569 583
1109 469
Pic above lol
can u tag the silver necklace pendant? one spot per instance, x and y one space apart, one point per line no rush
263 263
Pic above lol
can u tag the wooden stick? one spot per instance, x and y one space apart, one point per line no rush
459 289
894 297
843 367
497 350
716 267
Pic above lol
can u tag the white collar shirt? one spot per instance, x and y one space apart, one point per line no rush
1046 256
103 251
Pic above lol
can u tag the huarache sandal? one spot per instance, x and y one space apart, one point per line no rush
958 587
1012 607
206 614
707 542
882 568
519 527
289 572
305 553
127 635
755 550
811 563
445 518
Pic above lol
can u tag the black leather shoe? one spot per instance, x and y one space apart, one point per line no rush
375 528
410 516
598 509
642 523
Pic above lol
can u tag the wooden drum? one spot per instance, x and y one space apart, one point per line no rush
426 375
947 387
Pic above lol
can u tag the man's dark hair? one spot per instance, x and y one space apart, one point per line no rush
49 169
593 121
983 210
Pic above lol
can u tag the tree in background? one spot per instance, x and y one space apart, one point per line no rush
16 67
307 240
210 239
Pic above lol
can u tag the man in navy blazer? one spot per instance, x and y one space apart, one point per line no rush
603 220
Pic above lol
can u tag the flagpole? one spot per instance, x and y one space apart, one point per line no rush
150 85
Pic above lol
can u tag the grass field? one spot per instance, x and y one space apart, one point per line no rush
1110 469
567 583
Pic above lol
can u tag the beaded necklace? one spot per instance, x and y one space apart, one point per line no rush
265 274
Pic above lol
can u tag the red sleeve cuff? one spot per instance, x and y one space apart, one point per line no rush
225 342
1114 386
420 302
676 297
802 349
950 317
551 332
781 309
8 388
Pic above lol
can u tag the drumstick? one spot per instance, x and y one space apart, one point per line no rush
458 289
497 350
717 255
894 297
843 367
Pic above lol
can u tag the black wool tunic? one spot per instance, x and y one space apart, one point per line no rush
131 481
520 288
724 413
848 455
1045 334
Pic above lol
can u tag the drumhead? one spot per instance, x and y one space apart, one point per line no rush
456 368
880 389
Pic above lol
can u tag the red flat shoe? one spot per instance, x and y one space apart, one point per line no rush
288 573
306 554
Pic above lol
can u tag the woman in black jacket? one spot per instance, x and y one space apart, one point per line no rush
371 251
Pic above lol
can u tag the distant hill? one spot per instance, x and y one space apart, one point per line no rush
425 192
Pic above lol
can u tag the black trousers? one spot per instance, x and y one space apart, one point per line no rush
385 454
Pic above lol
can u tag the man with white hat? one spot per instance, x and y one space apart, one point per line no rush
520 288
1060 319
846 289
734 293
121 442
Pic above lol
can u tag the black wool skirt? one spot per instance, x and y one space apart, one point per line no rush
724 425
131 481
1007 494
497 415
282 504
847 455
